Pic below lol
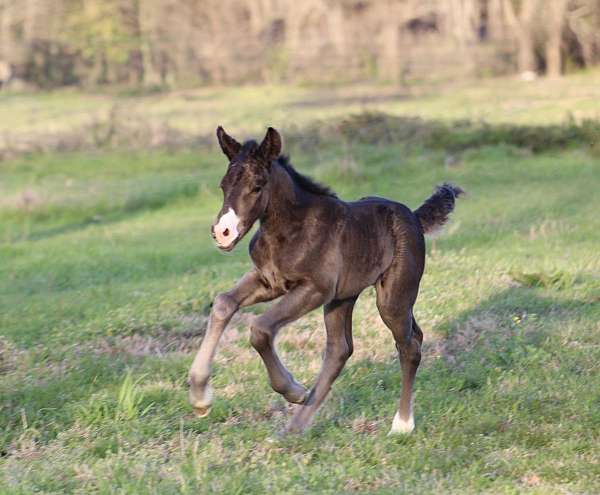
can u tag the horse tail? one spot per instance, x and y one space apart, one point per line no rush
434 212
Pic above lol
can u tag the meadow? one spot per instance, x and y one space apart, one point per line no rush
107 273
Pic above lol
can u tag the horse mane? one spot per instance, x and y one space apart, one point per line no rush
302 181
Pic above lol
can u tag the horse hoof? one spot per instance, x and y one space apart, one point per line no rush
295 427
201 412
402 426
201 401
307 398
297 396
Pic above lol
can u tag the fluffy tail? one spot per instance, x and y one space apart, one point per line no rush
433 214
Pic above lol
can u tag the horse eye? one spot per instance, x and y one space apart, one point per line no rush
256 189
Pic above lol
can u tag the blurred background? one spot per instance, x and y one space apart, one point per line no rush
148 74
182 43
109 174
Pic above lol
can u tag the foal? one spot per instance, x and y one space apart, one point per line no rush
313 249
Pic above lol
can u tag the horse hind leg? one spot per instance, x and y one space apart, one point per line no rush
409 352
396 312
338 324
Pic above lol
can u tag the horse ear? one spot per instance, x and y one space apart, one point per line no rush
230 146
270 148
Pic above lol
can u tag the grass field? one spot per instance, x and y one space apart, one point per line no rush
107 273
245 109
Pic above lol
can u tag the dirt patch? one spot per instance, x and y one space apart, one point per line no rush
365 426
467 336
26 200
333 100
531 479
480 332
162 342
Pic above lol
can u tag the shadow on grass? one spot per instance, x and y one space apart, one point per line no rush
366 388
456 136
515 323
107 215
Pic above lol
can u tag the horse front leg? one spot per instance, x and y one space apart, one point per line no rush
265 327
249 290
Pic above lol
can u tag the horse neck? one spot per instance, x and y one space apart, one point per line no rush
285 207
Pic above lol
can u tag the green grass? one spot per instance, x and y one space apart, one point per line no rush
106 277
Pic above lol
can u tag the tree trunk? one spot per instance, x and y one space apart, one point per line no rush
389 60
29 18
337 29
130 10
148 19
526 53
554 26
6 21
523 27
554 55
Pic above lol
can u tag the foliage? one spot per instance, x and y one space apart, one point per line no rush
122 130
379 128
126 406
96 32
551 280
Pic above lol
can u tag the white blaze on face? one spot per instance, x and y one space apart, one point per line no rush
226 229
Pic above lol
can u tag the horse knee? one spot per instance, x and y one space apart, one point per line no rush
414 352
417 333
410 352
415 356
223 307
345 351
260 335
339 352
416 343
349 349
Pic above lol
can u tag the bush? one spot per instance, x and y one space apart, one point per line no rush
456 136
122 128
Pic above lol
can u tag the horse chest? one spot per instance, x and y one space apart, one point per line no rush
274 277
267 263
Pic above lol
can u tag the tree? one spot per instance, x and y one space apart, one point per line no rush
521 20
555 14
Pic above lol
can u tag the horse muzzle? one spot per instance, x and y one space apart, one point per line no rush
226 231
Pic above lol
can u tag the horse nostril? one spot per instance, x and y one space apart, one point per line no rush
226 232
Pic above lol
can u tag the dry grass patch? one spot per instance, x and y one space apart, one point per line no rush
366 426
161 341
27 200
9 356
468 335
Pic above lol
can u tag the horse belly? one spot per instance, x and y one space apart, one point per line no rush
362 266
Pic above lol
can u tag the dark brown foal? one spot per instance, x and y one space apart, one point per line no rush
313 249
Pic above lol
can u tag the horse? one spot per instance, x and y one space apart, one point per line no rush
313 249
